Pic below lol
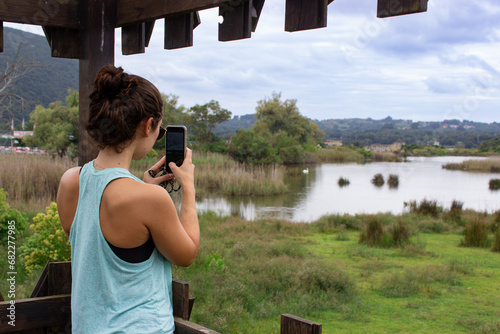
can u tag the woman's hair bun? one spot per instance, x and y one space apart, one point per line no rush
111 80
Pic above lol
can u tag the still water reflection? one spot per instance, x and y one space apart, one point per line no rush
317 193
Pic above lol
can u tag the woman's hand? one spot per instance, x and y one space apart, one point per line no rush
150 175
185 173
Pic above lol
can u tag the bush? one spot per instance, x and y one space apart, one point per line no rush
393 181
475 233
378 180
400 233
374 234
8 215
426 207
494 184
48 242
455 213
343 182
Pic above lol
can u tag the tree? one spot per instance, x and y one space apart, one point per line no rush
275 116
16 67
172 113
56 126
204 118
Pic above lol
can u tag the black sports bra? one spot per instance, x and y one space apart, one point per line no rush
136 254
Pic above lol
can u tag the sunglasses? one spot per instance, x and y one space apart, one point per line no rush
161 134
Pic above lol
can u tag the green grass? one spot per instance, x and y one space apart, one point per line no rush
248 273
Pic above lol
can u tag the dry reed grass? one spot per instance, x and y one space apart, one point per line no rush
490 165
220 173
31 181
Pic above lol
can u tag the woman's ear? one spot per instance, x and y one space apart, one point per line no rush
147 127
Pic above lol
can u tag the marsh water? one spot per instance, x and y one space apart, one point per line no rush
317 193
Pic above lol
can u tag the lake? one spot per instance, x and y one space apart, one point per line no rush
317 192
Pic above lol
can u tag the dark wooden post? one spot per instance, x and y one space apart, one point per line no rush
97 33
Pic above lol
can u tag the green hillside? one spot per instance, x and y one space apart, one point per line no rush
49 81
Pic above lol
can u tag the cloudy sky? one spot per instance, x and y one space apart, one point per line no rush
431 66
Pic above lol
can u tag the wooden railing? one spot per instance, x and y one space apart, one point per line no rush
48 309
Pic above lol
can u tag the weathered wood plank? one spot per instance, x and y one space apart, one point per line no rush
42 286
134 38
237 20
37 312
305 14
63 42
257 9
59 278
132 11
388 8
97 33
179 29
180 299
185 327
53 13
1 36
291 324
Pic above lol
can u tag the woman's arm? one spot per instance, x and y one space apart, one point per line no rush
67 197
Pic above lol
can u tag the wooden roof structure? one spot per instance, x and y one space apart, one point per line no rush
85 29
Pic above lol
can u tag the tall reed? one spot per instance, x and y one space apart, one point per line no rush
31 181
491 165
217 172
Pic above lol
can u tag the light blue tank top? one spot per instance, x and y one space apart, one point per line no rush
110 295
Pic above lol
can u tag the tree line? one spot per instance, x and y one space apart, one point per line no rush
280 134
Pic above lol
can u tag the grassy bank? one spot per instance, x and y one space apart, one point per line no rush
490 165
247 273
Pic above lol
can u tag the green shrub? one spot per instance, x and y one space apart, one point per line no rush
400 233
475 233
378 180
343 182
455 213
8 215
425 207
393 181
374 234
494 184
48 242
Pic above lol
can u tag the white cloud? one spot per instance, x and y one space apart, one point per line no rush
424 66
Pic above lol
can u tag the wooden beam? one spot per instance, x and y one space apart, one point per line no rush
388 8
53 13
257 6
237 20
291 324
134 38
1 36
133 11
97 33
185 327
179 29
36 312
63 42
180 299
305 14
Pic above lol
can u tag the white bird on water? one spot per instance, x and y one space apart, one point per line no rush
305 171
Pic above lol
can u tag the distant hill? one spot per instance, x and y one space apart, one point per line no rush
47 83
362 132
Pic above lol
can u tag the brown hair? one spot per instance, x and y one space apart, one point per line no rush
119 102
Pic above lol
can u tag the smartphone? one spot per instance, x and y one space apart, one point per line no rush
175 148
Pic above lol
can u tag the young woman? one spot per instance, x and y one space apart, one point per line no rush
125 232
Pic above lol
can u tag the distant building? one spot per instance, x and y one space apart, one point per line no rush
22 134
333 143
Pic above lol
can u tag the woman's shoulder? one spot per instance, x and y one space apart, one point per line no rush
127 191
